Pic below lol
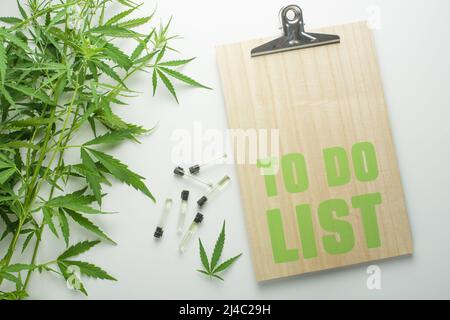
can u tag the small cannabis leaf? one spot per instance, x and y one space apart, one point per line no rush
161 71
212 268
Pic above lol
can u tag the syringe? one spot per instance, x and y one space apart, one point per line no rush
183 208
218 187
190 232
162 220
179 171
196 168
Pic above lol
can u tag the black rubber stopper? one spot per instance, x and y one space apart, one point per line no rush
184 195
158 232
202 201
194 169
198 218
179 171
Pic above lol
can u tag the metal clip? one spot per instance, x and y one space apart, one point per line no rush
295 36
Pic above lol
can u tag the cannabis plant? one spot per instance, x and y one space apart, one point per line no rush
62 72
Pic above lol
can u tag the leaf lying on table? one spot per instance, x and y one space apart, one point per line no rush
213 268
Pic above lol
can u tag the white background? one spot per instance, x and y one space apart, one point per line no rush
414 53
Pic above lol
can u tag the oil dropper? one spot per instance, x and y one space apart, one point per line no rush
217 188
162 221
190 232
179 171
183 208
199 217
196 168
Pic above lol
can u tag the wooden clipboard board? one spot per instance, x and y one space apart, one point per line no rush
328 105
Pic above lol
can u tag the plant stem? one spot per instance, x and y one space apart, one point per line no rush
60 158
34 190
7 259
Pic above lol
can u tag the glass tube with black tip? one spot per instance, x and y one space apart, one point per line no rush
162 220
179 171
216 189
190 232
183 209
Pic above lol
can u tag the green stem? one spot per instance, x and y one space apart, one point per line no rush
62 149
7 259
34 189
42 225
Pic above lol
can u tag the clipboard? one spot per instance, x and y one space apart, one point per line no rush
332 196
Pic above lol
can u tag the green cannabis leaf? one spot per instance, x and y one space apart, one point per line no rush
213 268
62 72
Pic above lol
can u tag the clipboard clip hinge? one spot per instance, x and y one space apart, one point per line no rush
295 36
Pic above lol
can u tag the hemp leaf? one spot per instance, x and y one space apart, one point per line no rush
212 268
64 71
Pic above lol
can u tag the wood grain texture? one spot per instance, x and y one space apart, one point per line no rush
318 98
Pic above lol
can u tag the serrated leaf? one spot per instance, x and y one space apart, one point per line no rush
56 19
64 226
48 219
6 174
154 81
9 277
3 62
111 137
9 99
115 31
121 172
211 269
88 225
15 295
114 122
38 94
14 39
179 76
92 177
78 249
109 71
133 23
204 272
52 40
30 122
141 46
10 20
118 56
21 10
12 268
90 270
93 70
175 63
74 201
27 241
218 248
203 256
218 277
120 16
160 55
18 145
226 264
168 84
